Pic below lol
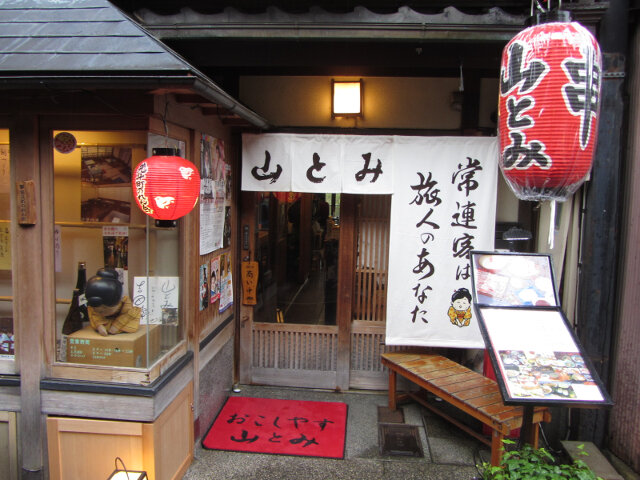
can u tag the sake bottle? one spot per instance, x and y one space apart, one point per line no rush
78 309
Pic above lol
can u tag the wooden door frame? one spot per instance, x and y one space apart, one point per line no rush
344 298
346 256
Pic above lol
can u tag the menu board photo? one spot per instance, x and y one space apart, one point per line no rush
508 279
538 358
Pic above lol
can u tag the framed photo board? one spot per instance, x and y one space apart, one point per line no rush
507 279
535 354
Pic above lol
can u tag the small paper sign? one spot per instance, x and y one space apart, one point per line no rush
249 272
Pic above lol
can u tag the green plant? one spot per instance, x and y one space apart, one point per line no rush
535 464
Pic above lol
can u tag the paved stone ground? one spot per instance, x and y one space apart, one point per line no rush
449 453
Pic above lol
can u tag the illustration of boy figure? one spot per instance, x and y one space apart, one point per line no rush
460 309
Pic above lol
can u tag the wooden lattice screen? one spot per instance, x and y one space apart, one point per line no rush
370 293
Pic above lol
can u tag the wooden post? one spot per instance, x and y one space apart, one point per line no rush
600 246
29 305
244 334
345 287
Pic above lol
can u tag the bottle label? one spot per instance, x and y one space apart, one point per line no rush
82 300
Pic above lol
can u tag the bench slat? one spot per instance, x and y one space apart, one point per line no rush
476 392
491 399
477 382
495 409
434 375
454 378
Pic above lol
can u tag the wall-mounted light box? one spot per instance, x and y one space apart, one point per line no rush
346 98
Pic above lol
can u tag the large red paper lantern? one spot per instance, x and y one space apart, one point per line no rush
548 109
166 187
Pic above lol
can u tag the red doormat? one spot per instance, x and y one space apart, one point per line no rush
285 427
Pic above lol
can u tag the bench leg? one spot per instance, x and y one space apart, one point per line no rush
496 447
535 435
392 390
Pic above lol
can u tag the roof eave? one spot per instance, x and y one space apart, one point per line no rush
202 86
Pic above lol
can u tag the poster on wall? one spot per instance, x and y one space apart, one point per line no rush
158 299
212 193
226 283
203 300
215 279
442 208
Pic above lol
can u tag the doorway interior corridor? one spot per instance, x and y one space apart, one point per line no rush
320 314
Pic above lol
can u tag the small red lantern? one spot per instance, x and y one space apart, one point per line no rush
165 186
548 109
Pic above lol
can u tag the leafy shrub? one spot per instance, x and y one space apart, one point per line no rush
529 463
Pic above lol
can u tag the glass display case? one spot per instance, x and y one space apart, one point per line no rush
117 277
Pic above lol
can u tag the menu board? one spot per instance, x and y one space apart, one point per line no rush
534 351
513 279
538 358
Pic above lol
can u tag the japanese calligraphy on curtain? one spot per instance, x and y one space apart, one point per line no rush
443 206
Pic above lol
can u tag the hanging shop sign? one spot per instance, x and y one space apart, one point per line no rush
548 109
443 206
166 187
317 163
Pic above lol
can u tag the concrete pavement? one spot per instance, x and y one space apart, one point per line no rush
448 453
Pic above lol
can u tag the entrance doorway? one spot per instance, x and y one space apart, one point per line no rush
321 295
297 251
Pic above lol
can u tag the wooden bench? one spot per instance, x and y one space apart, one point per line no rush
466 390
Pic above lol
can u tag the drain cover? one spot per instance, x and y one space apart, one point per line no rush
397 439
388 416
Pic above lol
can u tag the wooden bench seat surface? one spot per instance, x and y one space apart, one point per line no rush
468 390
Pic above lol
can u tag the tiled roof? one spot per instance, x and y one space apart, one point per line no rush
47 43
78 35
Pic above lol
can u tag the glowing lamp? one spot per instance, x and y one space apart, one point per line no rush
124 474
165 186
346 98
548 109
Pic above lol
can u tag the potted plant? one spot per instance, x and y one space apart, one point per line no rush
535 464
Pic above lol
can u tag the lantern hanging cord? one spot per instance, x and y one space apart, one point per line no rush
164 122
538 6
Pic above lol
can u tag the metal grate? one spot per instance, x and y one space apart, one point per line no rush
398 439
